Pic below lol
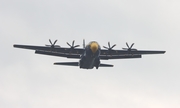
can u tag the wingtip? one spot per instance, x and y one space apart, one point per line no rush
14 45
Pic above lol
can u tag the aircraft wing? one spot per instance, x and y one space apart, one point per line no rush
77 64
52 51
75 53
127 52
107 57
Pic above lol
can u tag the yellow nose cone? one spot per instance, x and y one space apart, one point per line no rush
94 47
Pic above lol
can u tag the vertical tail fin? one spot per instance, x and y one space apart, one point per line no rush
83 43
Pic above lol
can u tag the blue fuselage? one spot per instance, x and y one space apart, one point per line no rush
90 57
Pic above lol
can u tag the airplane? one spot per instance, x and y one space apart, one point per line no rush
90 55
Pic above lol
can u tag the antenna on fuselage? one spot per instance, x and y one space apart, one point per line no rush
83 43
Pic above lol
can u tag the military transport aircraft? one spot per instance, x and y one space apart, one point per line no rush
90 55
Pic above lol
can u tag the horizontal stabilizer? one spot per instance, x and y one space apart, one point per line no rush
77 64
67 63
105 65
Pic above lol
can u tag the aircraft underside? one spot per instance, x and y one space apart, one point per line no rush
88 63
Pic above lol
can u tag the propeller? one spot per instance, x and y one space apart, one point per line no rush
72 46
109 46
129 48
52 44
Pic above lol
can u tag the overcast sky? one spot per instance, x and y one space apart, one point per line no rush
28 80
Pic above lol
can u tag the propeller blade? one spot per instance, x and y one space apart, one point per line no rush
125 48
56 46
127 44
68 44
48 45
132 45
76 46
133 49
50 41
109 44
113 46
105 47
73 43
55 42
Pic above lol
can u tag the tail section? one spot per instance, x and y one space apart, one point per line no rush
83 43
77 64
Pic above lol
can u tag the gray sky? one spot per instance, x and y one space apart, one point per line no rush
28 80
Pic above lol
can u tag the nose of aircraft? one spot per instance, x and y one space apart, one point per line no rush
94 47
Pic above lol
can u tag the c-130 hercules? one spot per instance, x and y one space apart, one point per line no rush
90 55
